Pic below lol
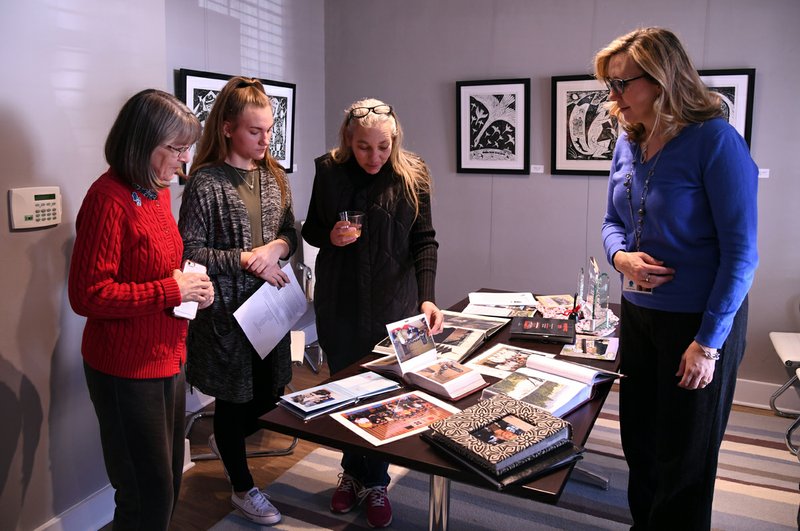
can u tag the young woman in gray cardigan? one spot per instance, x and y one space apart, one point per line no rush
236 219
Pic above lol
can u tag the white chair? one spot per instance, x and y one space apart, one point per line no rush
787 345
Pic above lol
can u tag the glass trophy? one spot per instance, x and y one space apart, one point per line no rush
596 310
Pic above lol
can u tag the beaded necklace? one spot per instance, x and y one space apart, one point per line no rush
639 222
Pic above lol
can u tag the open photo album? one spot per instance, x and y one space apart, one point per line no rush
462 335
321 399
502 359
556 386
416 361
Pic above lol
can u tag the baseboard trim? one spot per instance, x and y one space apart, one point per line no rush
92 513
756 394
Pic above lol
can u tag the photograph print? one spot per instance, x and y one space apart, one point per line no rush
493 126
735 88
198 90
583 132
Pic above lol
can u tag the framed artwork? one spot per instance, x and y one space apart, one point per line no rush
583 132
735 87
198 90
493 126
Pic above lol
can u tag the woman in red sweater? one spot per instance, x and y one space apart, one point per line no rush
125 278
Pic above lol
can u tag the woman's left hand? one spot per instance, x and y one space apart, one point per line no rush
434 315
696 370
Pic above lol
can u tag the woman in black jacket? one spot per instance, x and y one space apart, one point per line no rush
366 280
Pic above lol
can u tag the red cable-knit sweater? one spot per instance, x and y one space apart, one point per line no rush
120 278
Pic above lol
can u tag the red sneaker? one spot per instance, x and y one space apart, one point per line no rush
345 497
379 510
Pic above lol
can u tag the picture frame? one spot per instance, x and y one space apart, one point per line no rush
493 126
735 87
198 90
583 133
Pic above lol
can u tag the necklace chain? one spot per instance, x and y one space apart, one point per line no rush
639 221
241 173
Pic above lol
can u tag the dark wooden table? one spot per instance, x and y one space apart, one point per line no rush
415 454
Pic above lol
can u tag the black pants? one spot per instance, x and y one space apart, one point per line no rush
670 435
371 472
234 422
141 431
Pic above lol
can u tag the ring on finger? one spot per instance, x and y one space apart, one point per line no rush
647 278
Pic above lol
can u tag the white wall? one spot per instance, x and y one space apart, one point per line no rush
534 232
67 69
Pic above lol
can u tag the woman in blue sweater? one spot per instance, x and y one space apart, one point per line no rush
680 227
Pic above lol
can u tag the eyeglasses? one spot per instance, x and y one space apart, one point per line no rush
618 85
360 112
178 150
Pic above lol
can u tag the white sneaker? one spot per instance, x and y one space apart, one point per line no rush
212 443
256 507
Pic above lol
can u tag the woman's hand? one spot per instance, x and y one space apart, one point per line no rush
343 234
642 268
263 262
195 287
434 315
696 370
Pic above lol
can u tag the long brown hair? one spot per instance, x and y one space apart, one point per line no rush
684 99
214 146
411 169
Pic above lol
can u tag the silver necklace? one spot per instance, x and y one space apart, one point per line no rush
639 222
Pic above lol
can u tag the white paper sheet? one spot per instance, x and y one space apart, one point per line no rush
271 312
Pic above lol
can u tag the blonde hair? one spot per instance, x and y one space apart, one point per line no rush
214 146
684 99
411 169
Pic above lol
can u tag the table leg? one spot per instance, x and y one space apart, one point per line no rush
590 478
439 504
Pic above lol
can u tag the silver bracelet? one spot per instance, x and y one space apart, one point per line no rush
710 353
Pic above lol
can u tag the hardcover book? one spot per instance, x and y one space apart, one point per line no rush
501 360
500 434
315 401
591 347
417 362
462 335
550 461
556 386
543 329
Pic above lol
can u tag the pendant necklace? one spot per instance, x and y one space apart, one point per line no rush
639 221
241 173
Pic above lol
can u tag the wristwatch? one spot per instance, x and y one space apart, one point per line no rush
710 353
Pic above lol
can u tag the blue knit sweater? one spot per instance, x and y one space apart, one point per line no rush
701 217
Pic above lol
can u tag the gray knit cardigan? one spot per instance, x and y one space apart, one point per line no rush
215 229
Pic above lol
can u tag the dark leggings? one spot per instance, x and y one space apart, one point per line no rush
233 423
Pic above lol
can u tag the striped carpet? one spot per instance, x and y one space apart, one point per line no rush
756 489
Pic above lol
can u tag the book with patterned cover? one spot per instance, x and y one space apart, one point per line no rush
501 433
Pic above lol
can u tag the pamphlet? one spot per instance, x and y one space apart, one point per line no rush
268 315
394 418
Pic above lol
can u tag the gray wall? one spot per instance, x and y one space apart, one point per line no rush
534 232
69 66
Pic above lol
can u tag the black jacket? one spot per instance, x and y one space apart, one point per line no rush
384 276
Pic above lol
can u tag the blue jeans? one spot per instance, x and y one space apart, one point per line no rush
141 431
369 471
